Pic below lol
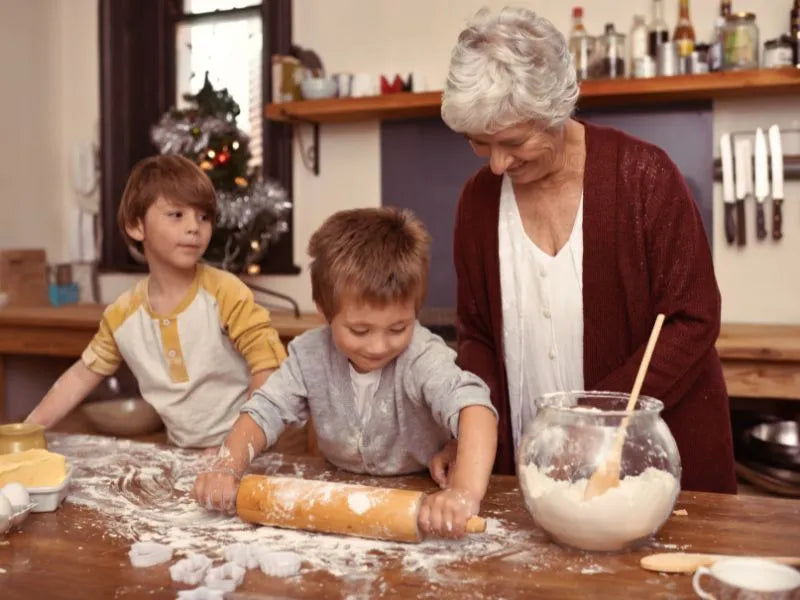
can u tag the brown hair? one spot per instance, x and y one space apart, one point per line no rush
169 176
380 255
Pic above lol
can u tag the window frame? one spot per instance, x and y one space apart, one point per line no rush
137 85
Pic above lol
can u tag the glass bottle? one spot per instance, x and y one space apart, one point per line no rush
639 61
684 32
716 50
725 8
794 27
657 31
581 45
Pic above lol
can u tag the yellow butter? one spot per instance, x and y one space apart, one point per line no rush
33 468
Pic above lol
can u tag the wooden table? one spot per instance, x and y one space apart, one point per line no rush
65 331
71 553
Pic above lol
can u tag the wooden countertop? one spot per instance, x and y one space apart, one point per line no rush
758 361
736 340
65 330
87 316
82 551
780 343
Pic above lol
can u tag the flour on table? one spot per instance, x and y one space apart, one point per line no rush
279 564
148 554
141 493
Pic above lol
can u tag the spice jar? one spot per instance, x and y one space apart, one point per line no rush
740 42
778 53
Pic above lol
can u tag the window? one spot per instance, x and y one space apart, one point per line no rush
151 53
227 46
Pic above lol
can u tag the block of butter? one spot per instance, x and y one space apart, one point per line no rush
33 468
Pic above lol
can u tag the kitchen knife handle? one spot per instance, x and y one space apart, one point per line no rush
761 228
740 231
777 219
730 222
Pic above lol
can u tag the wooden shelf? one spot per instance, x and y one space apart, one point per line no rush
594 94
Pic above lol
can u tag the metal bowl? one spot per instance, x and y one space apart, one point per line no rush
776 443
122 416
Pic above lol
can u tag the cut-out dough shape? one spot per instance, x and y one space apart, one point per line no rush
201 593
244 555
148 554
191 569
279 564
226 577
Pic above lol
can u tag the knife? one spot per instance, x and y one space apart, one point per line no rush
776 158
762 182
742 155
726 158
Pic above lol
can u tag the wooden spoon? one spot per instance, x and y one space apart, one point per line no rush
685 562
607 474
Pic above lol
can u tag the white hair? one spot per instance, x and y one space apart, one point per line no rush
508 69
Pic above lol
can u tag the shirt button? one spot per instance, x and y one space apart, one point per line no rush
165 322
542 273
546 313
171 353
552 353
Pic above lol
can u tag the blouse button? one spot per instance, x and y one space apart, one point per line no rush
542 273
165 322
552 354
546 313
171 353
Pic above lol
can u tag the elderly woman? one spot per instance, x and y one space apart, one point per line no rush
569 242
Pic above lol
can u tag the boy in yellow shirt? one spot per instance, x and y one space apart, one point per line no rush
192 335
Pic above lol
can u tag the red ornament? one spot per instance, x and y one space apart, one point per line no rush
222 157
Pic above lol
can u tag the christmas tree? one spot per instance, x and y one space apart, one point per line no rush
252 212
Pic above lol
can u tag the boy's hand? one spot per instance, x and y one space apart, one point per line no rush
442 463
216 489
445 513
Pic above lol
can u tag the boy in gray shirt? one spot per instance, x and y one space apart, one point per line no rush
384 394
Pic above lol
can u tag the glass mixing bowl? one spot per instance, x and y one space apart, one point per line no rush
566 435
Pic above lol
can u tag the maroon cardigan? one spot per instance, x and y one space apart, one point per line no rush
645 252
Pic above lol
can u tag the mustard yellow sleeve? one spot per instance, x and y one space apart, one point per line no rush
248 325
102 354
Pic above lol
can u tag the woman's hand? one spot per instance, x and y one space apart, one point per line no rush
216 488
442 463
445 513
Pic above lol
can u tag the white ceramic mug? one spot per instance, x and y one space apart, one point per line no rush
748 579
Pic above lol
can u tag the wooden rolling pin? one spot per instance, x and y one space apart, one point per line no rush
328 507
685 562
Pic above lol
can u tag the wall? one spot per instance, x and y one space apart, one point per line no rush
55 91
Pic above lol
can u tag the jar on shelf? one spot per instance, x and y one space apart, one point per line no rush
566 436
778 53
740 42
608 60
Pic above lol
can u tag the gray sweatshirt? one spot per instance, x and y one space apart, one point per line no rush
413 413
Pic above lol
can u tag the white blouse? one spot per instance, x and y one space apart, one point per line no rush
542 298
